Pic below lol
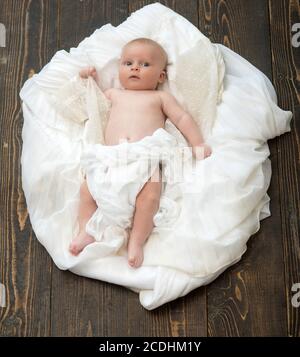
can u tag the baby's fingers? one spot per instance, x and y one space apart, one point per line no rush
202 152
87 72
208 151
83 73
92 72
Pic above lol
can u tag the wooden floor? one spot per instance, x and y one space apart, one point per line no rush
253 298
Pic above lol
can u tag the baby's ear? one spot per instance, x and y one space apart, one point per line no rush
163 76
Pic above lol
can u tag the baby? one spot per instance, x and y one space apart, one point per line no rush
137 111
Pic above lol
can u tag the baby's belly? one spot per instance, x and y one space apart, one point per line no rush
118 131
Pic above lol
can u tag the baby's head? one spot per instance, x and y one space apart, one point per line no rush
142 65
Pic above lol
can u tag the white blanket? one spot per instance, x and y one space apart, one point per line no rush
205 219
115 175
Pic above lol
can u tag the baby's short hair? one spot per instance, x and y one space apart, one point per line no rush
148 41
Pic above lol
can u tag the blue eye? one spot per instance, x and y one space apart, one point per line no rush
146 64
128 63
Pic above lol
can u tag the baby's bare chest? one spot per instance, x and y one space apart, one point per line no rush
133 116
147 104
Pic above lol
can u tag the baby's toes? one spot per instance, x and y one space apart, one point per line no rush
136 260
74 248
131 261
139 261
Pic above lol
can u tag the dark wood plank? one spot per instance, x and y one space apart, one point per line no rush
251 298
76 305
87 16
248 299
88 307
240 25
185 316
25 265
286 69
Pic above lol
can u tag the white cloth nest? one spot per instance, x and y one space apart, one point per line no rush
220 202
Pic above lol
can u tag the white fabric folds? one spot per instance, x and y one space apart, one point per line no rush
116 174
207 215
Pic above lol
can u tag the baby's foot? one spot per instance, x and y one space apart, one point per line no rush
135 254
80 242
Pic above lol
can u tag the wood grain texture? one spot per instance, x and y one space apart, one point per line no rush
25 266
286 74
248 299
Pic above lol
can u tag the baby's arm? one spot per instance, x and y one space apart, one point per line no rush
186 125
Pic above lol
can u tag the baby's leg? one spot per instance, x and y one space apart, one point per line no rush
146 206
87 207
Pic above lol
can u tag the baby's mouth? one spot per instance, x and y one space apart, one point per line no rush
135 77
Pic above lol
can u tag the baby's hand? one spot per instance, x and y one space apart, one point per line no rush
87 72
201 151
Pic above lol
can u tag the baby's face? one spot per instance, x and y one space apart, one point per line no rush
141 67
